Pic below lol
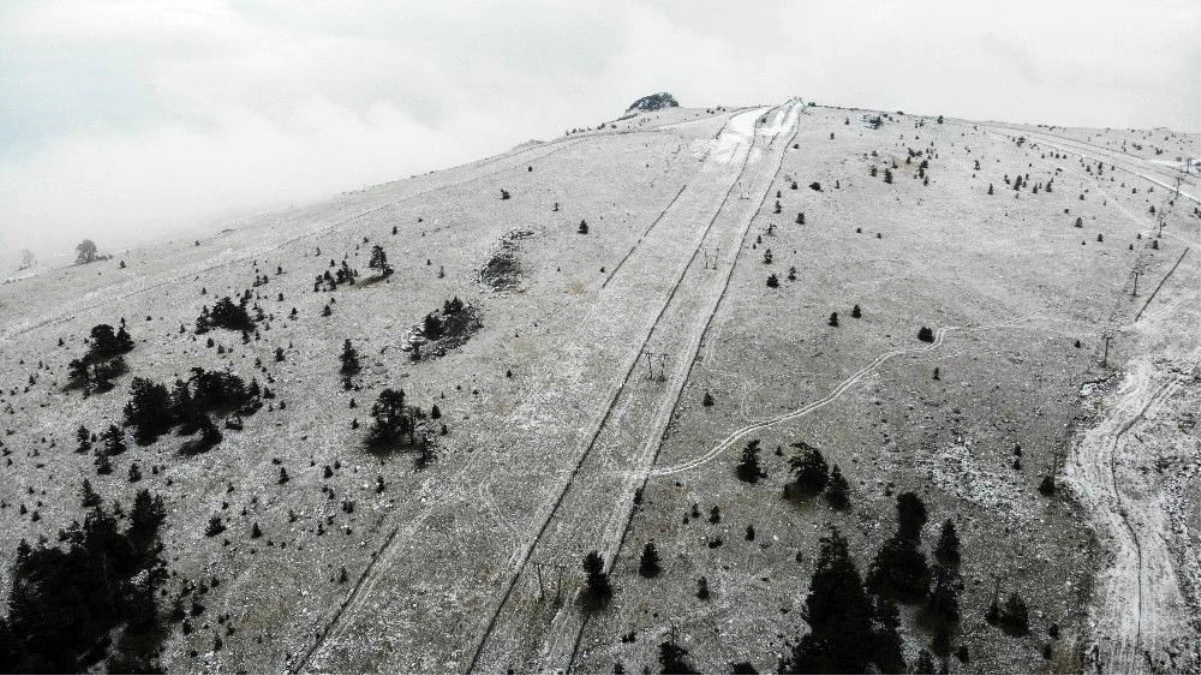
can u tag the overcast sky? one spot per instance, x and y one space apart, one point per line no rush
122 119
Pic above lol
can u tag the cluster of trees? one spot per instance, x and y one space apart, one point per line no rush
850 631
811 476
900 571
344 274
396 425
450 321
103 362
153 411
67 603
225 314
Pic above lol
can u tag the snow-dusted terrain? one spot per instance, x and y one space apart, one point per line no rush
635 264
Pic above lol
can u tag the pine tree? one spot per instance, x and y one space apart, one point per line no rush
944 597
839 614
856 313
947 549
598 589
90 498
911 516
810 472
833 319
674 659
350 360
648 566
837 493
748 469
899 571
702 589
379 261
583 228
773 281
1014 618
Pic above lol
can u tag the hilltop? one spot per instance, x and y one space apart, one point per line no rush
593 335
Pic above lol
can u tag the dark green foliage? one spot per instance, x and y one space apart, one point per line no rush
106 344
899 571
394 421
1014 618
833 322
648 566
350 360
856 313
925 334
114 440
773 281
225 314
944 598
583 228
748 469
597 590
674 659
810 472
1047 487
838 492
911 516
843 637
947 549
379 261
148 411
886 646
90 498
215 527
431 327
66 603
86 251
103 362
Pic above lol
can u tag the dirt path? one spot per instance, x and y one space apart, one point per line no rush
1142 619
524 632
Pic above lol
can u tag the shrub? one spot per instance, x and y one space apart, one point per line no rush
810 472
925 334
748 469
648 565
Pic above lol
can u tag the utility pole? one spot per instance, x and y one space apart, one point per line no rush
538 569
650 373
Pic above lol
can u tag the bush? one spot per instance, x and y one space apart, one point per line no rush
649 566
925 334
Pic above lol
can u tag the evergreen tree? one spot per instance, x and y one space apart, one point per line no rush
925 334
947 549
598 590
393 420
810 471
899 571
1014 617
748 469
648 566
674 659
837 493
839 614
114 440
856 313
350 360
148 411
911 516
944 597
887 649
379 261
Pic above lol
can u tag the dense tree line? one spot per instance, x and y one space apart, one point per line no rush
67 603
